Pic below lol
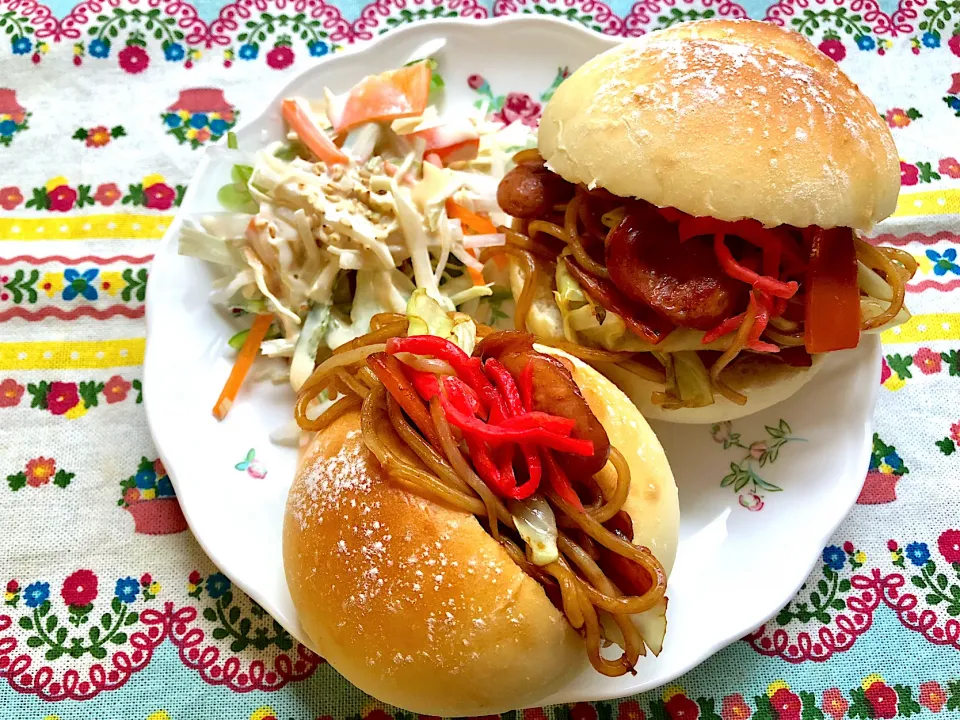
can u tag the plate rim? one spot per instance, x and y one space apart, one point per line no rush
812 548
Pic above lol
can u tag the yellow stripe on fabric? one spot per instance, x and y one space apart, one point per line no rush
85 227
930 202
83 355
925 328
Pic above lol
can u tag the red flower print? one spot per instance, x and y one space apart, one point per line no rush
80 588
280 57
116 389
882 699
734 708
10 197
833 49
932 696
107 194
377 714
909 174
159 469
13 586
160 196
630 710
928 361
62 397
786 704
949 544
203 135
519 106
680 707
194 578
884 371
98 136
834 703
897 118
10 393
62 198
475 82
948 166
848 547
146 579
40 470
954 45
955 432
528 714
583 711
133 59
131 495
892 545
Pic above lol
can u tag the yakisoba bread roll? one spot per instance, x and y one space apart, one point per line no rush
417 540
693 207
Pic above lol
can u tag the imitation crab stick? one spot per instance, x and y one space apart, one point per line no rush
391 95
242 365
310 133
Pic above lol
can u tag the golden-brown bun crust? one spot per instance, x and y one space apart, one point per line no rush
764 380
415 603
729 119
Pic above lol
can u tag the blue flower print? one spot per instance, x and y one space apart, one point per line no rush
36 594
918 553
945 262
198 120
127 589
248 52
834 557
217 585
930 40
146 479
218 126
80 284
865 42
7 128
318 48
21 45
953 102
99 48
165 488
894 461
172 120
174 52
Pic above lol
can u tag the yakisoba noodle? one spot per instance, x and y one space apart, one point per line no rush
523 244
444 475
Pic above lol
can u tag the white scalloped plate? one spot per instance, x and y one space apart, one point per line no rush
716 595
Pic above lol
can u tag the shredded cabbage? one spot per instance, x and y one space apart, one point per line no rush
427 317
537 525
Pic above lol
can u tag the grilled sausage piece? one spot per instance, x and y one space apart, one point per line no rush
554 392
529 191
682 282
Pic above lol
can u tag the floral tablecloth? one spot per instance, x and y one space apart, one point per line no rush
111 610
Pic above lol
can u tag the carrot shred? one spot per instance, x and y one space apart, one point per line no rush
476 275
476 223
310 134
479 225
242 365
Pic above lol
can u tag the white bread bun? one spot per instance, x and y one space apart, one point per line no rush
729 119
415 603
764 380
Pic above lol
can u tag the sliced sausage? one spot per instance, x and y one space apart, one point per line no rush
530 191
682 282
